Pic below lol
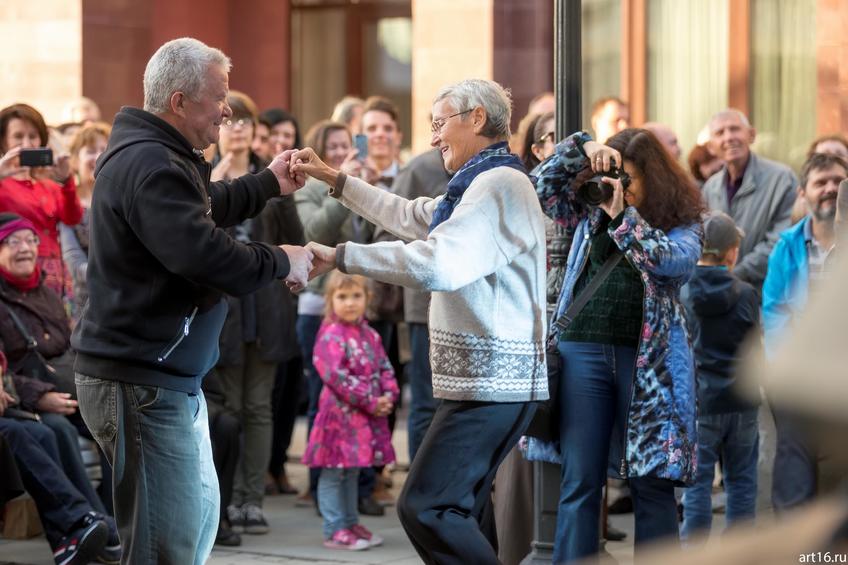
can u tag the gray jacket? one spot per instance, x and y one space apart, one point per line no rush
425 175
324 220
762 207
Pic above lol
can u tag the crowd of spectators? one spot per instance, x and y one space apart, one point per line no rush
773 232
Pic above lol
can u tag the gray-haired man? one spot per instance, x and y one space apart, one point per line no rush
159 265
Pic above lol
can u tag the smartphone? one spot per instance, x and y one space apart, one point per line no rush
42 157
360 142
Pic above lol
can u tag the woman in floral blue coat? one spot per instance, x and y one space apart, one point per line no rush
627 386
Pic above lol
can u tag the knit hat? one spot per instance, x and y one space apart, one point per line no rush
720 234
10 223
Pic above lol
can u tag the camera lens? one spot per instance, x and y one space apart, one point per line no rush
594 192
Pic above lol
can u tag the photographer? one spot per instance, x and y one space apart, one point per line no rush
29 192
627 384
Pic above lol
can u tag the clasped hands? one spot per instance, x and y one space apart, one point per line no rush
291 169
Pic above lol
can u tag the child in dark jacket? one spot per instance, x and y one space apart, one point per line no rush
721 311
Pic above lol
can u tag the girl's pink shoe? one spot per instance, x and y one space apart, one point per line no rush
346 539
364 533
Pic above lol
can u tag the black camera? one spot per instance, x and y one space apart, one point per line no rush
594 191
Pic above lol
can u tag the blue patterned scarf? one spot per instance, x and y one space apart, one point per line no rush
496 155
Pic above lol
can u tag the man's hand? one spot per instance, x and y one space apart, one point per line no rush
290 180
324 259
57 403
384 406
300 261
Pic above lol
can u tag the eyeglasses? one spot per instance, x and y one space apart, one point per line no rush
437 125
243 123
16 242
544 138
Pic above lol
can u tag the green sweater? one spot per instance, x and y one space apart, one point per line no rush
614 314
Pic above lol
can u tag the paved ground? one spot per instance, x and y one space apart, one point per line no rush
295 536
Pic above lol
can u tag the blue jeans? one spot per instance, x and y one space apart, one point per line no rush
422 406
337 492
166 490
594 396
795 478
735 437
307 331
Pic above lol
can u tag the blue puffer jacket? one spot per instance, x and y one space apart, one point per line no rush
786 286
660 435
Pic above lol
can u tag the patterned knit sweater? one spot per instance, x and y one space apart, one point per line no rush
485 266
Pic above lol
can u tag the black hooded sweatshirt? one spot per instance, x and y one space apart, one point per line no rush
721 311
159 261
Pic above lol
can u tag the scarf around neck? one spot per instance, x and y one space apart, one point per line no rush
496 155
23 285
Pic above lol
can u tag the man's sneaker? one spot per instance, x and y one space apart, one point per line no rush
111 552
227 537
362 532
370 507
82 544
345 539
235 516
254 520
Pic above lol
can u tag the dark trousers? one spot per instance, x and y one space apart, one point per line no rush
70 458
225 434
307 330
284 401
447 496
422 406
60 504
594 394
795 477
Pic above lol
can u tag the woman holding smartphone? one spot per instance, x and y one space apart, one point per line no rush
43 195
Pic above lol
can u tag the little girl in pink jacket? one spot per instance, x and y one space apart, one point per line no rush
351 429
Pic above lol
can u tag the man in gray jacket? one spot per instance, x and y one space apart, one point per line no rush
756 192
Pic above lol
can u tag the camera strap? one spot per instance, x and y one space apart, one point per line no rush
577 305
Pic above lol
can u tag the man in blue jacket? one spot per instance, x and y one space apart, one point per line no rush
159 266
797 262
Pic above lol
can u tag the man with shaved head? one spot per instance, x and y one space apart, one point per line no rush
756 192
666 136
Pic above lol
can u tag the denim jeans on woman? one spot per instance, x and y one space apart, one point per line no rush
735 437
594 396
166 489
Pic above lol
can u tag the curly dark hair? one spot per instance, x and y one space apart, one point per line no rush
671 197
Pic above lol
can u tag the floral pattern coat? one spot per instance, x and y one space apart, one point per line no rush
661 439
356 371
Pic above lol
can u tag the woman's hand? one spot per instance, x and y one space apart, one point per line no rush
219 172
62 168
306 162
615 205
323 259
601 157
57 403
360 169
6 400
10 163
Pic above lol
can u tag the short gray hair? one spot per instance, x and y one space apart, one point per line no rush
179 65
495 99
729 113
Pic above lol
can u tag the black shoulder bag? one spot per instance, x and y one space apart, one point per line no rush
545 423
58 372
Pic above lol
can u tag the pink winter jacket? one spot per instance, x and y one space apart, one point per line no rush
356 371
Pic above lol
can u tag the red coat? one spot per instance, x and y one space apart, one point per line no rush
45 204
